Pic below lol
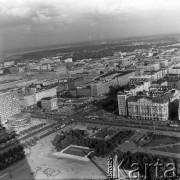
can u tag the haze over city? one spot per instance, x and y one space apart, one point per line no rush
33 23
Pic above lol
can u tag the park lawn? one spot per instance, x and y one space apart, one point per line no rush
174 149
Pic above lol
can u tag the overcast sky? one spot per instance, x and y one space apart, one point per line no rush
31 23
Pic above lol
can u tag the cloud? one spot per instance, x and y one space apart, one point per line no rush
29 12
36 12
42 21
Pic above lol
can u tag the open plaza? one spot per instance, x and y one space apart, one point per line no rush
40 163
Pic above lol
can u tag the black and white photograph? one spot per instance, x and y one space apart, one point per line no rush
89 89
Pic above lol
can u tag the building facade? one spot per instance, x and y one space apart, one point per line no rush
74 83
123 78
122 104
46 93
49 103
147 108
11 83
9 105
84 91
28 100
101 87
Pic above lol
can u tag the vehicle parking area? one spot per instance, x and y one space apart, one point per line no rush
34 122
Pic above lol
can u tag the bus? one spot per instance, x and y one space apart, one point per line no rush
93 117
174 125
62 126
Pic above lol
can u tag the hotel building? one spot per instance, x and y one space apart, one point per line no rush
9 105
148 108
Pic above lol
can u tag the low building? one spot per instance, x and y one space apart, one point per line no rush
80 153
49 103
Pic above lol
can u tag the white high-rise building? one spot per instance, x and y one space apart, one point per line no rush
9 105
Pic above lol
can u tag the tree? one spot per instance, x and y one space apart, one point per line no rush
6 71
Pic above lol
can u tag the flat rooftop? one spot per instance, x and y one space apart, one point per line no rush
120 73
9 81
77 151
48 98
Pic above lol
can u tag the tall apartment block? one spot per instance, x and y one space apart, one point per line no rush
9 105
122 104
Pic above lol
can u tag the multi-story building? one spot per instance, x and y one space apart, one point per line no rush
174 70
11 83
101 87
51 92
155 75
148 108
173 80
109 75
138 79
9 105
74 83
78 75
83 91
123 77
61 70
122 103
164 63
152 67
62 86
143 86
49 103
46 66
8 63
27 83
28 100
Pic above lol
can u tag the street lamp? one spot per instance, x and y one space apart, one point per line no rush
10 175
154 125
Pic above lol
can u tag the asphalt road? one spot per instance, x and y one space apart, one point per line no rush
132 127
17 142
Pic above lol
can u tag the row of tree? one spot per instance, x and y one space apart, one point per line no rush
11 156
100 146
7 138
32 128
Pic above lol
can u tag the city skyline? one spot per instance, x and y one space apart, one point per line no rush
33 23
